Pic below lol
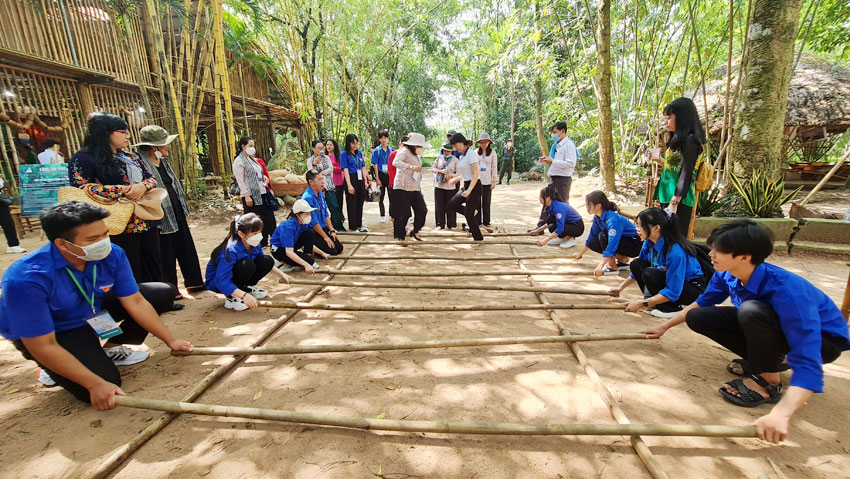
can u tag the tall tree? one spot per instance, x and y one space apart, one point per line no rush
603 95
759 126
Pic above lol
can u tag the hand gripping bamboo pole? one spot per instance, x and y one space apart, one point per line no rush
432 344
435 308
471 286
447 427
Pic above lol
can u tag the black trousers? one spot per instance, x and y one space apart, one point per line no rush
84 344
684 212
340 198
404 201
144 253
323 245
505 169
562 186
354 203
249 272
629 246
754 333
266 214
652 280
573 230
8 225
303 248
445 217
385 180
467 207
486 199
179 247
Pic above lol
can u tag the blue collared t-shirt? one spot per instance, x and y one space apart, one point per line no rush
39 296
564 215
380 158
804 311
317 200
286 234
678 265
616 225
220 272
352 163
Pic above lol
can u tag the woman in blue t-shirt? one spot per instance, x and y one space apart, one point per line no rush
356 181
611 234
667 271
564 222
296 234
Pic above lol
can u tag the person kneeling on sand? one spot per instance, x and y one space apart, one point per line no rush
238 264
564 222
774 314
61 300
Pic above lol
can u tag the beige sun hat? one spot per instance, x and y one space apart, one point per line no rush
416 139
484 137
154 135
301 206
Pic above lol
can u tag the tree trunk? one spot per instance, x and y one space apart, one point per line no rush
513 125
603 96
760 123
538 115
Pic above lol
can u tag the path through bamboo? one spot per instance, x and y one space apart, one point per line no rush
408 345
435 308
447 427
468 286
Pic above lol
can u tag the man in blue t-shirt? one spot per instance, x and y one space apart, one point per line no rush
381 164
61 300
777 321
320 218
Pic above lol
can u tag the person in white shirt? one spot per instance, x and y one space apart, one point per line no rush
50 155
488 167
561 167
467 201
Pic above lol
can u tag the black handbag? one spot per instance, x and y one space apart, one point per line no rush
234 188
270 201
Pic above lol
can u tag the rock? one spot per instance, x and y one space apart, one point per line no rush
289 200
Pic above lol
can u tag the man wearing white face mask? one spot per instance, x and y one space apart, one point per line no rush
60 301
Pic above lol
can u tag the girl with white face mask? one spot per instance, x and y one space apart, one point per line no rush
238 264
254 187
294 241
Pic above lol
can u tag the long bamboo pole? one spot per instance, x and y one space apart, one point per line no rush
434 308
475 287
433 234
551 257
826 177
452 274
451 427
433 344
428 242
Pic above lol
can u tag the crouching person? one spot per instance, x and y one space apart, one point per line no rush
320 218
296 234
62 300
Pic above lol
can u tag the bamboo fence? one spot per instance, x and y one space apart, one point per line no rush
408 345
446 427
468 286
434 308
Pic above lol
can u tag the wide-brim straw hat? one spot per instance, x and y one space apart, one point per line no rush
448 147
120 210
154 135
416 139
484 137
459 138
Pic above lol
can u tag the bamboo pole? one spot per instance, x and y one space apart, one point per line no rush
434 344
452 274
433 234
443 242
551 257
450 427
826 177
105 468
434 308
475 287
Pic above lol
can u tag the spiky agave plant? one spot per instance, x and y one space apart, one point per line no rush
762 197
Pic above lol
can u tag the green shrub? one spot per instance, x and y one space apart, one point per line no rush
762 197
712 201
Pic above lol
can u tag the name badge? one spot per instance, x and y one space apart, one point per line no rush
483 167
384 168
104 325
360 174
417 176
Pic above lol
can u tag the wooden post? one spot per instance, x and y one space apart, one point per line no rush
86 99
693 216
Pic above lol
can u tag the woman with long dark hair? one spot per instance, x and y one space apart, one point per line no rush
332 152
106 162
467 201
407 188
564 222
356 181
675 189
668 270
612 235
254 186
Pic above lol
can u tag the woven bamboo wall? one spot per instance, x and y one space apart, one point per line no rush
128 105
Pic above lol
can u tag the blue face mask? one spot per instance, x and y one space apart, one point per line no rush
554 137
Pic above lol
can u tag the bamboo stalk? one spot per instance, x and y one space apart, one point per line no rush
450 427
433 234
475 287
451 274
551 257
408 345
442 242
434 308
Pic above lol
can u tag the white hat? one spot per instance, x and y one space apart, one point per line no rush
483 137
301 206
416 139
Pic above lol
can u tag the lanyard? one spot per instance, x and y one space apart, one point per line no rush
88 299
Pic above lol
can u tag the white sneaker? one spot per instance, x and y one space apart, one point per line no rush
285 268
122 356
235 304
663 314
15 249
607 270
556 242
623 266
257 293
362 229
569 243
383 219
45 378
315 265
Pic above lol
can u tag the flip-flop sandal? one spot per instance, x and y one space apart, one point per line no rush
745 367
750 398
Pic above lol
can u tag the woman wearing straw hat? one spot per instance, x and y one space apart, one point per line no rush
407 188
175 238
105 161
468 200
445 168
487 167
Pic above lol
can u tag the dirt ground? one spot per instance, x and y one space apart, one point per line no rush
674 380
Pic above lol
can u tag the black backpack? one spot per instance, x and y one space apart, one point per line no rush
704 260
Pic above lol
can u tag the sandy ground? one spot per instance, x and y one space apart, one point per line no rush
675 380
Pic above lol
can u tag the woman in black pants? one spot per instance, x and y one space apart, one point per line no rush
8 225
668 270
445 168
468 200
407 189
296 234
356 182
254 187
611 234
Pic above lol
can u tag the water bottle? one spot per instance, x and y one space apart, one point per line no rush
847 215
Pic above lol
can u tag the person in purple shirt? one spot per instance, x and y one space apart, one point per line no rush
775 314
